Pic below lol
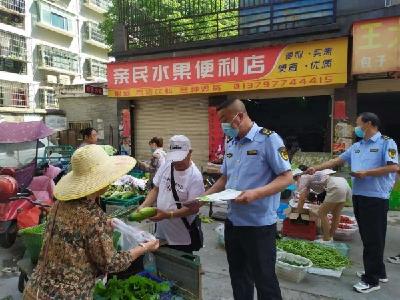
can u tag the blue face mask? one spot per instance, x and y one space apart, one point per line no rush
229 130
359 132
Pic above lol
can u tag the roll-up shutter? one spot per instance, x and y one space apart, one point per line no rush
167 117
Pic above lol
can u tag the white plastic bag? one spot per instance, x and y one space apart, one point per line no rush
130 235
221 235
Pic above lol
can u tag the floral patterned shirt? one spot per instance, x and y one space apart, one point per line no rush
77 248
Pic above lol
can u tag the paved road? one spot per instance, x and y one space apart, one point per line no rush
216 283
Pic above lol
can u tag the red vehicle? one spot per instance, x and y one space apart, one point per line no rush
19 207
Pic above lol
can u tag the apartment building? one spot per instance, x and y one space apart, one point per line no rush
49 49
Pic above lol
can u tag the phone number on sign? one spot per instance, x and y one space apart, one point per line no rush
285 82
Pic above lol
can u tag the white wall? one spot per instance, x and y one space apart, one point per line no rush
36 36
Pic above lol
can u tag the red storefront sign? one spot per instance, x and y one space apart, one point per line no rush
285 66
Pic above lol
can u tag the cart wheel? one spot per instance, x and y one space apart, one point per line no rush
7 238
23 278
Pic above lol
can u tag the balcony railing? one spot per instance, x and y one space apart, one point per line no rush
13 94
93 35
47 99
13 6
163 23
100 6
12 46
57 60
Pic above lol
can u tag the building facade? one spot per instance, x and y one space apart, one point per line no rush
46 46
290 60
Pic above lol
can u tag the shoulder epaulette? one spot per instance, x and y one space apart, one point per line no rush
266 132
385 137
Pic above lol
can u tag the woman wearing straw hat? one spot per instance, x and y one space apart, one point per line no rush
78 242
337 192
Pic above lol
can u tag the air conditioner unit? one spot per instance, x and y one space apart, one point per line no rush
64 79
51 79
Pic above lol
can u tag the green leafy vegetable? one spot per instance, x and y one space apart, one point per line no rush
321 256
110 150
134 288
38 229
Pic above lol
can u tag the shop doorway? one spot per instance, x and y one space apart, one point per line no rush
303 122
387 107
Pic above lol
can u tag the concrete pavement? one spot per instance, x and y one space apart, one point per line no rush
216 282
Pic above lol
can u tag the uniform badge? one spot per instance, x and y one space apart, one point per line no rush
374 150
252 152
266 132
392 153
357 151
229 155
283 153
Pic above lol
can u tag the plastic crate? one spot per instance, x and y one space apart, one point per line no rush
292 228
290 272
33 241
126 202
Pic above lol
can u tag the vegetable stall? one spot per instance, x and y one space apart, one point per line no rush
176 274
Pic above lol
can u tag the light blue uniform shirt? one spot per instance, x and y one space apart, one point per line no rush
377 152
252 162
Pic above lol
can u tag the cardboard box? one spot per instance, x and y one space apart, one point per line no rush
308 215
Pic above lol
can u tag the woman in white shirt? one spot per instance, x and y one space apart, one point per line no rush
337 192
157 158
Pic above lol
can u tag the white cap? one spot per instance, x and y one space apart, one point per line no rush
179 148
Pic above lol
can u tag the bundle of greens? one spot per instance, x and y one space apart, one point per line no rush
321 256
125 188
110 150
134 288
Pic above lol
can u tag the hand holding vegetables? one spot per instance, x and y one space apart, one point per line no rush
161 215
143 214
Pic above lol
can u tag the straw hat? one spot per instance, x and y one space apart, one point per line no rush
92 171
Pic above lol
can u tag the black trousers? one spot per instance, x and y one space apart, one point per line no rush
371 215
251 253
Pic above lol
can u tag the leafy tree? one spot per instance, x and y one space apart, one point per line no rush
157 23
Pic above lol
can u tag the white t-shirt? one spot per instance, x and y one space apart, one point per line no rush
159 155
189 185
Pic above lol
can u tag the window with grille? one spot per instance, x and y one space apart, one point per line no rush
93 32
12 66
103 5
13 94
12 46
16 6
48 99
12 12
95 68
54 58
